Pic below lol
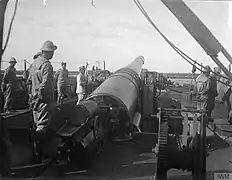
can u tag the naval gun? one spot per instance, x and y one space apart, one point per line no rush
122 91
134 108
122 108
126 105
111 111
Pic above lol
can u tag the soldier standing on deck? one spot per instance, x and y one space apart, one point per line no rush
204 96
8 85
42 96
213 92
42 91
81 84
61 79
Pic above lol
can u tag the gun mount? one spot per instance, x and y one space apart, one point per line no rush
83 128
188 144
124 107
126 95
123 99
107 112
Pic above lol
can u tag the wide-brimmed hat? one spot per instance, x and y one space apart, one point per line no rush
48 46
207 69
12 60
63 63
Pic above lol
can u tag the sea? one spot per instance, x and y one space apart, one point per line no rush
181 81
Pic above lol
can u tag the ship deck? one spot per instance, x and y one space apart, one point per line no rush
129 162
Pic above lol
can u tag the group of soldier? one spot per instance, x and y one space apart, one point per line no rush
41 83
206 90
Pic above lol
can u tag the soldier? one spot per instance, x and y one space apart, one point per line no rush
213 91
61 79
202 90
81 84
42 91
8 85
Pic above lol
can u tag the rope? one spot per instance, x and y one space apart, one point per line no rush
10 27
180 52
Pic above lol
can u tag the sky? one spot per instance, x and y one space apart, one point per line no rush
115 31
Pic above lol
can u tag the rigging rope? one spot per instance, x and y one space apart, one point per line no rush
10 27
180 52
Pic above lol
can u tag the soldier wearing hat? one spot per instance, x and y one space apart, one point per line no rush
42 94
42 90
81 84
8 85
61 80
203 91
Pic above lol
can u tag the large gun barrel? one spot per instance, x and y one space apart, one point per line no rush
122 88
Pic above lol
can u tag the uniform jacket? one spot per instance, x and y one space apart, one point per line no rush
213 86
80 88
41 79
9 75
202 87
61 76
9 78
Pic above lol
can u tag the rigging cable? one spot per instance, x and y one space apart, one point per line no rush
180 52
10 27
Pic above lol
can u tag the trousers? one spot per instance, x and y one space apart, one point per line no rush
8 96
42 114
62 92
207 105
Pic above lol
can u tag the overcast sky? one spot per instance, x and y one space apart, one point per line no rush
115 31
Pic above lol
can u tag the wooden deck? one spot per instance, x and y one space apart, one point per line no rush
125 162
